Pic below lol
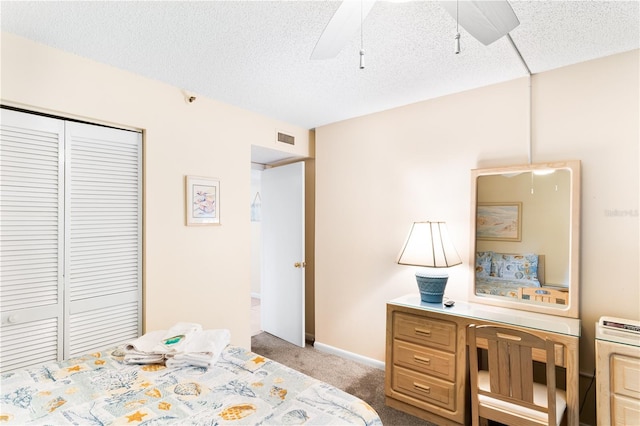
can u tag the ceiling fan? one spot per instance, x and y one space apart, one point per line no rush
487 21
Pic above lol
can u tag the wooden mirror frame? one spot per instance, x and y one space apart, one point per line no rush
571 309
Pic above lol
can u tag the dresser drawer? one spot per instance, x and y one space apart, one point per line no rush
626 377
425 331
625 411
424 388
424 359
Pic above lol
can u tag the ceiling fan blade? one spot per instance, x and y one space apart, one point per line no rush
341 28
486 21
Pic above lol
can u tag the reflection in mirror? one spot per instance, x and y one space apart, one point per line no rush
525 230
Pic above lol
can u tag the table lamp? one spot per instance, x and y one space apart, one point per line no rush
430 246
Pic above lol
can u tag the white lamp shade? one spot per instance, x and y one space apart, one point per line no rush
429 244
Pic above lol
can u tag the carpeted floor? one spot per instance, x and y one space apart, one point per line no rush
363 381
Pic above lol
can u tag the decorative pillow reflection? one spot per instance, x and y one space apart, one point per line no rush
483 263
521 267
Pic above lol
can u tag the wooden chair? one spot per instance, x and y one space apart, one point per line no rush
540 294
506 393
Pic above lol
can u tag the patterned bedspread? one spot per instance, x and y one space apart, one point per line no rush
498 287
242 388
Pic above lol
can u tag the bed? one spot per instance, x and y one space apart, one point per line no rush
503 274
240 388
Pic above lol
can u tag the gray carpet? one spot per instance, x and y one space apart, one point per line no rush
363 381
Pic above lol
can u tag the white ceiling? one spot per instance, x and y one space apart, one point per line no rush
255 55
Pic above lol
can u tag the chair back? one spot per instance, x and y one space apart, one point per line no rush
510 363
548 295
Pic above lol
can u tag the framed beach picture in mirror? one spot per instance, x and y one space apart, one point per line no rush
499 221
202 201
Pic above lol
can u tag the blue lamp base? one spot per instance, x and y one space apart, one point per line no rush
431 286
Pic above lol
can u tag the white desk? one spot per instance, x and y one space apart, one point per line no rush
442 397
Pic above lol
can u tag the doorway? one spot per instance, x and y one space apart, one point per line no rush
263 158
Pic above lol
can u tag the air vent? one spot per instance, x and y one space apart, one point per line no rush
283 137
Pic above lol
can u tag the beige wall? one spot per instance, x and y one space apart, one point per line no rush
199 274
378 173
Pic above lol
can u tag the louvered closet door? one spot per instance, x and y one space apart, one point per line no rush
104 237
31 238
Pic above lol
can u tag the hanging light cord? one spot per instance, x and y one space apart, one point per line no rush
529 73
361 35
457 46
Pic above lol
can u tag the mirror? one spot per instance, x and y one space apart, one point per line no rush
525 228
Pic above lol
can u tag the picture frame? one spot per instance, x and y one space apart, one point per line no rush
499 221
202 204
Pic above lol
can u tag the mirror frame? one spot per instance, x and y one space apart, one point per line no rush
570 310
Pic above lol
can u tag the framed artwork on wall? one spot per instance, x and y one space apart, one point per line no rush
499 221
202 201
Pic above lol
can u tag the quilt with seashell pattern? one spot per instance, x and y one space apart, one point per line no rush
241 388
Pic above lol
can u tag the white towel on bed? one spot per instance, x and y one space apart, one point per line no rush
145 349
154 346
143 358
177 336
202 349
147 343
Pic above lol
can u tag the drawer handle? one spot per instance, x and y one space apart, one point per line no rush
422 359
424 388
422 331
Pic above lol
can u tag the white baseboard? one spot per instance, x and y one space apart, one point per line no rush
349 355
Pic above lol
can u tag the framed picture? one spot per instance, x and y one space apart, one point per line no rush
203 201
499 221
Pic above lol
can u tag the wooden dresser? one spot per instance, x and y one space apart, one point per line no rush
426 355
617 377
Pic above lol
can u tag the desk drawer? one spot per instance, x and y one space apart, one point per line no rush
625 411
425 360
424 388
425 331
626 375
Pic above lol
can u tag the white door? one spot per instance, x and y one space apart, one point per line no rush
282 289
31 239
103 237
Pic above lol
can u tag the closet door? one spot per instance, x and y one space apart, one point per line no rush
103 259
70 238
31 239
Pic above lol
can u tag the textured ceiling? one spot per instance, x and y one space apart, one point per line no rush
256 55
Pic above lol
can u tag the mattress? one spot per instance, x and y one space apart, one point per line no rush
241 388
